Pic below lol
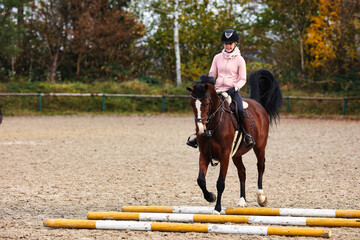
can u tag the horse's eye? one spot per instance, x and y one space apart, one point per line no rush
206 104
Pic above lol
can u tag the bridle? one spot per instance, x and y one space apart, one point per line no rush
209 116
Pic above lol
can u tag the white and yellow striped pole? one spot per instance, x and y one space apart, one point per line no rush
204 218
297 212
186 227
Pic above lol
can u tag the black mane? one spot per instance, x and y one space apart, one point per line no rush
207 79
199 91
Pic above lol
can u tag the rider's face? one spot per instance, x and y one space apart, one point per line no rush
229 46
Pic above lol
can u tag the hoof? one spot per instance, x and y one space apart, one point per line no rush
264 203
242 203
216 212
261 198
212 198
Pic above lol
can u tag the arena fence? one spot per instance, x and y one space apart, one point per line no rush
287 99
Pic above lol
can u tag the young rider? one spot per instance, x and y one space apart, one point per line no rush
229 69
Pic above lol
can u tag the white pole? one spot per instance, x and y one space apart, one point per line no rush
176 44
298 212
186 227
206 218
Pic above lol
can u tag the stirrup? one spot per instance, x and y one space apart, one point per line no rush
192 142
252 141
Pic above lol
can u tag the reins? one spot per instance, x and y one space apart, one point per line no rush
209 117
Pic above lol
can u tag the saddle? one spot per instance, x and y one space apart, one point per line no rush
228 99
233 104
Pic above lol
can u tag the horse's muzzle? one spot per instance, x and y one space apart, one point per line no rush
201 126
206 133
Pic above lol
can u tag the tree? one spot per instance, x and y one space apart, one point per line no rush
331 38
104 33
200 28
51 21
176 43
11 21
285 22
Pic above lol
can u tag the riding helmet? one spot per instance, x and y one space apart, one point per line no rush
229 36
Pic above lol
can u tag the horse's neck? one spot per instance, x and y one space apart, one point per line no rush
215 99
224 107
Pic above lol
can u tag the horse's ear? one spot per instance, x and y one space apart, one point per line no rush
190 89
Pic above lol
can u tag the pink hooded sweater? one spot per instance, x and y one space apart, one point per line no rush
230 70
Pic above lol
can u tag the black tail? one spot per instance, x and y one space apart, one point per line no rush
265 89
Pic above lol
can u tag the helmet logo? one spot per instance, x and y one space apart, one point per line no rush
228 34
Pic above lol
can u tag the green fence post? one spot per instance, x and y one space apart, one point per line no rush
103 103
344 106
163 103
287 104
39 97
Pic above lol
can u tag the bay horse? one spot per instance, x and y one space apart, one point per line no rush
216 126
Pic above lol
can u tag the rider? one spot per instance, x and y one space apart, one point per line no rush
230 69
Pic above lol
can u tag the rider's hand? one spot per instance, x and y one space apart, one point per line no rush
231 91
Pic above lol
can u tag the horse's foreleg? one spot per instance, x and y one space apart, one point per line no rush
261 198
203 166
209 196
242 177
220 184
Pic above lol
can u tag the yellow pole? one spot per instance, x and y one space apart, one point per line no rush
248 211
164 209
113 215
61 223
347 213
333 222
310 232
178 227
206 218
185 227
253 211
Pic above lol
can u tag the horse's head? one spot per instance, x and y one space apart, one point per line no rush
201 101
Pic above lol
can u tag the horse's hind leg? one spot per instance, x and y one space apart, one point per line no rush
242 177
260 155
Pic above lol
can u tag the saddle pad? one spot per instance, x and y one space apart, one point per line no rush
245 105
236 143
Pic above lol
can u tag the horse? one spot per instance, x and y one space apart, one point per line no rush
216 128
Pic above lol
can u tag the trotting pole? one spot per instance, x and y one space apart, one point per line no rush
204 218
185 227
298 212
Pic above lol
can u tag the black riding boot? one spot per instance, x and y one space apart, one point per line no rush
244 121
192 142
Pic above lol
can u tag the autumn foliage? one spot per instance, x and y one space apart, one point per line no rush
308 44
